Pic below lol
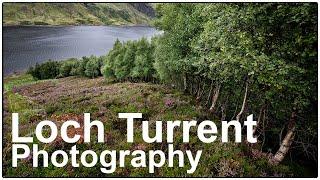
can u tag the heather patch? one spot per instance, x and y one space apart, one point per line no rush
68 98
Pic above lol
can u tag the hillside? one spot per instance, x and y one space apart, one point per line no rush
67 98
77 13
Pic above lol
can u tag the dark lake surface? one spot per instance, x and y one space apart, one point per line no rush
25 46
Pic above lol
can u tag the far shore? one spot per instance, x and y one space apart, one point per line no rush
70 25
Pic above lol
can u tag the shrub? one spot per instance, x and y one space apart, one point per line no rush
87 66
80 69
46 70
124 62
143 64
75 67
108 68
93 67
67 68
133 59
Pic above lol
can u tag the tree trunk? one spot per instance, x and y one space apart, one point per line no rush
286 142
262 110
223 111
209 94
191 85
215 98
194 86
198 86
244 102
185 85
200 92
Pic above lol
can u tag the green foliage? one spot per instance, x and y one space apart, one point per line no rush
269 48
107 69
67 68
93 67
132 60
80 69
46 70
143 64
174 46
123 62
87 67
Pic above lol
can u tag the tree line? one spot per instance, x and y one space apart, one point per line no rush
131 61
243 58
236 59
86 67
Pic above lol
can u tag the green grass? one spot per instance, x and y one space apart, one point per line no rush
17 80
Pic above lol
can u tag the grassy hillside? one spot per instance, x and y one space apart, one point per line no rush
62 99
76 13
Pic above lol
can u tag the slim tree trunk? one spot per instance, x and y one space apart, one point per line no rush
262 110
244 102
201 91
209 94
198 91
223 111
194 87
198 87
191 85
286 142
185 85
215 98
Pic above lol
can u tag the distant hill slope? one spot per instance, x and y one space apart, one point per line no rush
77 13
